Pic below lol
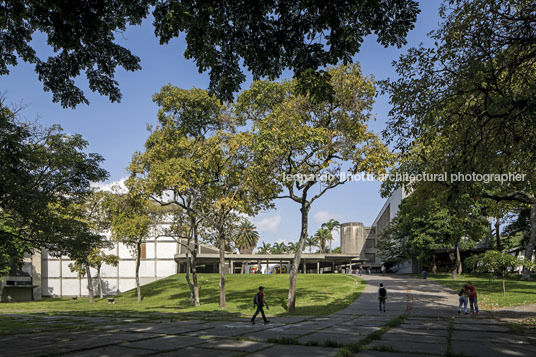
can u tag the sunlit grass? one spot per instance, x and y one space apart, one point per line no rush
316 295
491 297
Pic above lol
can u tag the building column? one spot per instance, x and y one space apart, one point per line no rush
350 266
304 267
155 259
36 275
333 266
280 267
61 276
318 267
117 267
231 263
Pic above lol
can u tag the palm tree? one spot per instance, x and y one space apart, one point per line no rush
291 247
312 241
265 249
331 225
245 236
322 234
279 248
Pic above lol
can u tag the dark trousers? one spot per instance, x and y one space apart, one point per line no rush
382 302
261 310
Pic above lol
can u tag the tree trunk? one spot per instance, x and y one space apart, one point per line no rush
497 233
291 303
90 285
504 287
453 266
99 280
459 266
531 243
223 302
187 276
138 257
196 301
434 265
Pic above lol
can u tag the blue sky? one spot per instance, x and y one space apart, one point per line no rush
117 130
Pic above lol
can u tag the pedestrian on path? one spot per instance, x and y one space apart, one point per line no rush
473 299
464 295
382 296
424 273
259 303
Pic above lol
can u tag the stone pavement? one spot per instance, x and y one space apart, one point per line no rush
431 327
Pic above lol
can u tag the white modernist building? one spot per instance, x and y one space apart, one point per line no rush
156 262
43 274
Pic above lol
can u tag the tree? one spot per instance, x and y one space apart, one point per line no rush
97 259
44 173
467 104
268 38
276 35
88 254
495 263
323 235
517 229
245 235
133 215
331 225
311 241
196 160
82 36
425 222
279 248
291 247
300 142
266 248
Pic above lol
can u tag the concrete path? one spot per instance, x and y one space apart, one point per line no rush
431 327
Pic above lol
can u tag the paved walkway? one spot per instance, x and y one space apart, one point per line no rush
432 327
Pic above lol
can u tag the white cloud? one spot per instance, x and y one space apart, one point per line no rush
324 216
108 186
269 224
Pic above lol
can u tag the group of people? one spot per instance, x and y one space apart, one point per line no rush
468 294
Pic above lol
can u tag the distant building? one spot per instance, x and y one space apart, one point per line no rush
358 240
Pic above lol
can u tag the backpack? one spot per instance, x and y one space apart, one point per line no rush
383 292
256 300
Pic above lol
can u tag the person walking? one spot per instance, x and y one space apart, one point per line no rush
464 295
259 303
382 296
473 303
424 273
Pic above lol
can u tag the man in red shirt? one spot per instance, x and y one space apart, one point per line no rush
473 299
259 302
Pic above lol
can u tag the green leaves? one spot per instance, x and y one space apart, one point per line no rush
301 135
45 175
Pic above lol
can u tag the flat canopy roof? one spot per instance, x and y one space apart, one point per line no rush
317 257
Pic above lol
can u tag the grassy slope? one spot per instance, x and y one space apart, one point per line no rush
517 292
316 295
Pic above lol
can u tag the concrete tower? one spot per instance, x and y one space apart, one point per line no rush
352 238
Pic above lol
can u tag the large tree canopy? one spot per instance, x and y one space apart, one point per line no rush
44 173
267 37
467 105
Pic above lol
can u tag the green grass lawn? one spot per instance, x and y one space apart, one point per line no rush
316 295
517 292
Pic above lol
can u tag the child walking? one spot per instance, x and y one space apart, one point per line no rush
382 296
